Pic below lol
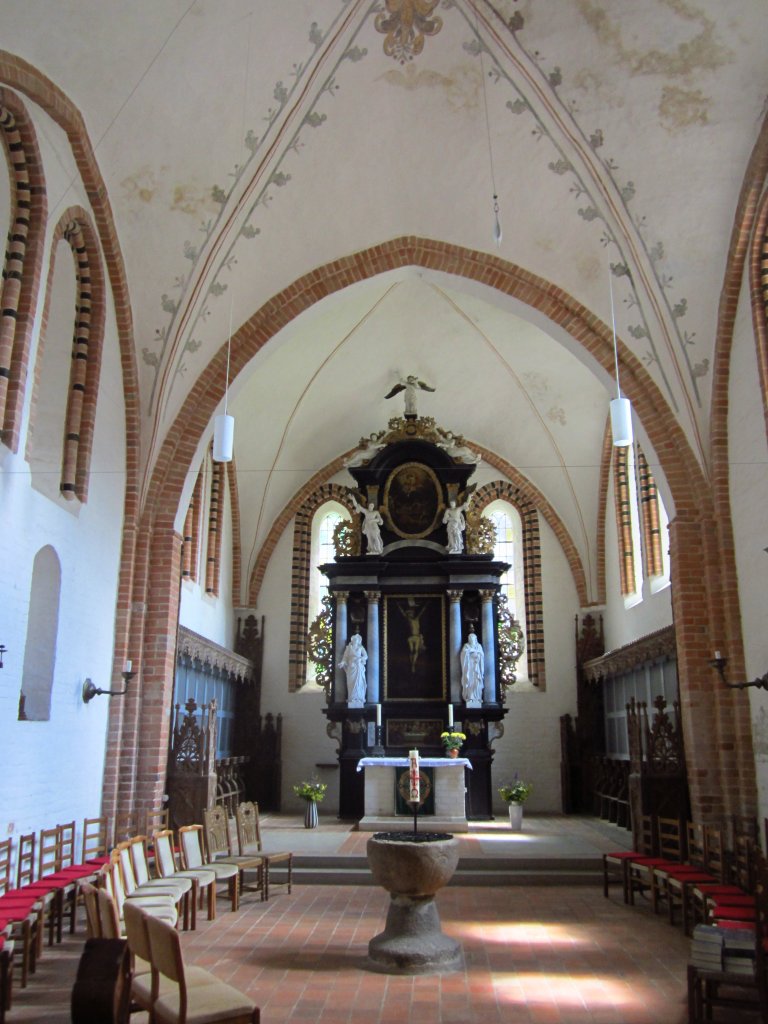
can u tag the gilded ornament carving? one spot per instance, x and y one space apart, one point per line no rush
405 23
480 535
320 647
511 645
346 538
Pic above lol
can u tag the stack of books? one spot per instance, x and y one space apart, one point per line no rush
723 949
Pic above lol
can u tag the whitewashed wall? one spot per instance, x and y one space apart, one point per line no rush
52 770
748 455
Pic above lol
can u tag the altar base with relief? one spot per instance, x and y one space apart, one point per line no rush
450 804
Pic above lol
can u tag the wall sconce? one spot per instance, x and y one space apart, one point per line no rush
719 663
3 649
90 691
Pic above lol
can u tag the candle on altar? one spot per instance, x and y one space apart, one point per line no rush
413 778
450 716
378 714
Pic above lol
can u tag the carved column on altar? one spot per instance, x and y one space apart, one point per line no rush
489 648
454 641
340 685
373 676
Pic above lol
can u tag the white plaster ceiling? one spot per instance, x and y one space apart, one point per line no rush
619 134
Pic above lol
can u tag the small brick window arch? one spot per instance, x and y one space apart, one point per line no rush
300 578
533 626
79 416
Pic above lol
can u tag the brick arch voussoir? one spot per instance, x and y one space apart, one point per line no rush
524 493
311 496
24 260
679 463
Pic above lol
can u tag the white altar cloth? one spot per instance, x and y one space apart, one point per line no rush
450 807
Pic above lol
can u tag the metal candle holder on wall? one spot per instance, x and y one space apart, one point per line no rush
719 663
3 649
90 690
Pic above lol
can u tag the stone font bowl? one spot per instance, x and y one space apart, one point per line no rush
412 864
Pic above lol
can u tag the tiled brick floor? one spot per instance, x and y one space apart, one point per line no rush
535 954
542 954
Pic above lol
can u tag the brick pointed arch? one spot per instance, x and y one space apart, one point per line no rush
23 260
300 573
534 597
722 772
75 227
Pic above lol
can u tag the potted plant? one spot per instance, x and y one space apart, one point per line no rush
452 742
312 792
514 794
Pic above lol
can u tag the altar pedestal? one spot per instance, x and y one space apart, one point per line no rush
380 780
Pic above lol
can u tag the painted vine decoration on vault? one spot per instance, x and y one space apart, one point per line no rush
405 23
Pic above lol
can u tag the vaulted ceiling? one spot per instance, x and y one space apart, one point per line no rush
246 145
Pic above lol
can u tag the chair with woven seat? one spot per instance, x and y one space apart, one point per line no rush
194 857
219 848
168 867
212 1003
249 841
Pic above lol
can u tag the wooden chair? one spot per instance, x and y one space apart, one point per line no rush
670 850
184 886
6 971
95 844
219 848
126 825
211 1003
166 893
167 867
156 821
145 986
194 857
673 882
249 841
90 896
616 863
159 906
709 990
20 916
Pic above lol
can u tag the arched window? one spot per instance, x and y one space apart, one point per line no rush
509 549
40 646
322 550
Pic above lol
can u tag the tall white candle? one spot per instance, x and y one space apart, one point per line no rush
413 777
128 666
717 655
450 716
378 714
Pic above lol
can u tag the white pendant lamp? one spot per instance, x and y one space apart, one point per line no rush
621 409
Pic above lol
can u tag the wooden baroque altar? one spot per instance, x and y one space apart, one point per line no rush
414 603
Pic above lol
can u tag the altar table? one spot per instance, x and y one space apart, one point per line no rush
450 806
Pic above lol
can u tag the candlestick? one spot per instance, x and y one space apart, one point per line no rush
415 790
450 716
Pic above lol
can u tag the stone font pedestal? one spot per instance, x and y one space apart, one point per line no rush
413 867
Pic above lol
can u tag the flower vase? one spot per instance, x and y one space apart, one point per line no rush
515 816
452 752
310 815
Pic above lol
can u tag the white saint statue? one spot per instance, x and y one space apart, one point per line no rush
472 669
353 662
454 517
372 522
